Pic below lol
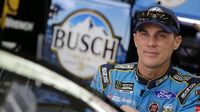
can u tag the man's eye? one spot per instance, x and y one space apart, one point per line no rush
144 34
162 35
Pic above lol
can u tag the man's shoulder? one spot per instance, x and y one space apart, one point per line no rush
181 75
109 73
191 84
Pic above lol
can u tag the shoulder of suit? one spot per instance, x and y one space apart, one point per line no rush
126 66
116 66
184 76
191 81
106 75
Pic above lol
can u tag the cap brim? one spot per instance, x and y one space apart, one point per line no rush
167 28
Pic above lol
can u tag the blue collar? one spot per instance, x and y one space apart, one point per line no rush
155 82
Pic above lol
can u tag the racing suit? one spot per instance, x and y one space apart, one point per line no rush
175 91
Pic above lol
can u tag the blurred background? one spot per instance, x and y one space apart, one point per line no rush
72 38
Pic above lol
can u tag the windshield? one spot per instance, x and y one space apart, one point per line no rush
26 86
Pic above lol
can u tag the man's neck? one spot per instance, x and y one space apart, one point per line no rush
152 72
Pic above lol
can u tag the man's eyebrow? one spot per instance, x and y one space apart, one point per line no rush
142 30
162 31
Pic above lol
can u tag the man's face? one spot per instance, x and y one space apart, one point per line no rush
155 46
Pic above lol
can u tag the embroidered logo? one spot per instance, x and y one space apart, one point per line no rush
163 94
168 108
153 107
124 87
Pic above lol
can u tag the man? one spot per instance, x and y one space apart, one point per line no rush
152 84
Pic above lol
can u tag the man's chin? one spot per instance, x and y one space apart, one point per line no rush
152 64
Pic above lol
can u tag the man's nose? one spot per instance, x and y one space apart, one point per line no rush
152 41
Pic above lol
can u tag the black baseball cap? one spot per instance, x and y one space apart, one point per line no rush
159 15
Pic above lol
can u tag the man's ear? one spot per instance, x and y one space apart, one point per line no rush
178 40
134 39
